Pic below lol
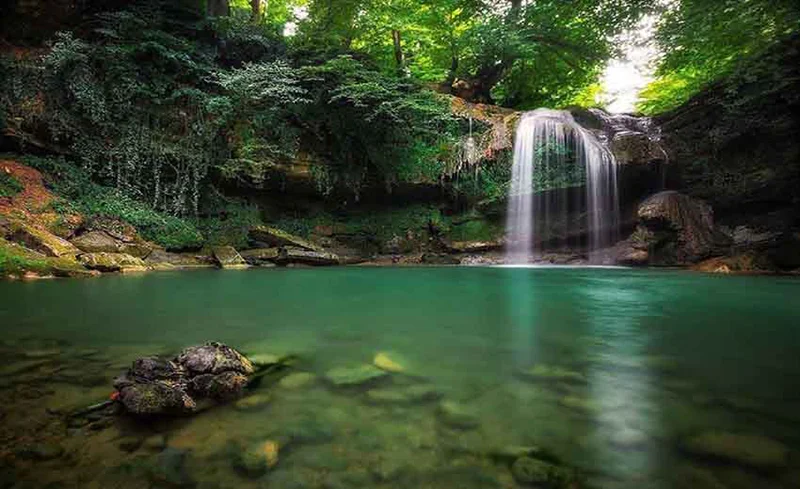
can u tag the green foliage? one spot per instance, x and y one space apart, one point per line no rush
228 222
9 186
15 260
92 200
705 40
373 127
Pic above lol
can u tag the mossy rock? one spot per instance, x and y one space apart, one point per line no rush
538 473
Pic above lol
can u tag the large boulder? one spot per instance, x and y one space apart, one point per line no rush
112 262
227 257
674 229
154 386
42 241
103 242
272 237
166 260
261 256
292 254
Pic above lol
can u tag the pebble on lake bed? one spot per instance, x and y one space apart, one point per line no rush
253 402
457 416
258 458
389 363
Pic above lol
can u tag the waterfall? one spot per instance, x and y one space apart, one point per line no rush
553 156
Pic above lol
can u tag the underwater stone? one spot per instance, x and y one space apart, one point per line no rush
353 376
258 458
297 380
457 416
170 468
253 403
388 362
754 451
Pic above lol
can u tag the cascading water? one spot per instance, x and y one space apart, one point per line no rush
552 155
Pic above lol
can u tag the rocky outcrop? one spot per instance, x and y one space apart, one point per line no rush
269 237
112 262
42 241
102 242
673 229
293 254
261 256
227 257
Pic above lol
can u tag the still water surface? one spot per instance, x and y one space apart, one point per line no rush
610 370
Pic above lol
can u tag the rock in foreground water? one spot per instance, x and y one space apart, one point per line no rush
754 451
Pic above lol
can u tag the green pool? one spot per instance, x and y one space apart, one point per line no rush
620 378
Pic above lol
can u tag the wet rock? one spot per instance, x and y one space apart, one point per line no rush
273 237
40 451
511 453
170 468
261 256
22 367
754 451
675 229
403 394
456 415
297 380
112 262
256 459
388 362
542 372
253 403
295 255
227 257
157 386
354 376
538 473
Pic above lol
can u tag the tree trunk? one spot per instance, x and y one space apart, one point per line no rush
478 88
258 9
398 49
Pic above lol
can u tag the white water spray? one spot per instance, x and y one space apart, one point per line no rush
546 144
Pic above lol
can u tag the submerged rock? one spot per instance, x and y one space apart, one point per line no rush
258 458
388 362
353 376
227 257
297 380
253 403
170 468
456 415
754 451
